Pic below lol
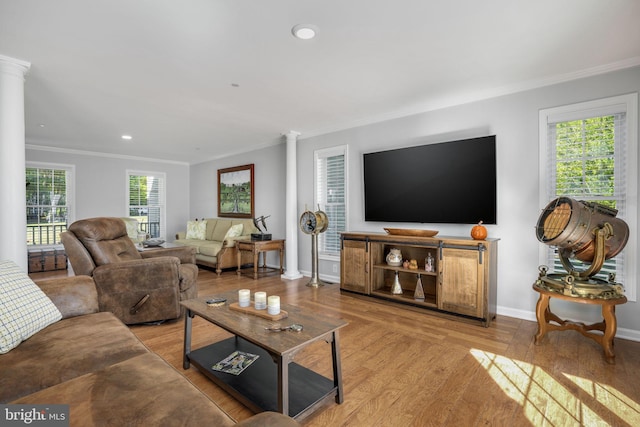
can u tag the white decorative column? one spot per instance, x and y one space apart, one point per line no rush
13 218
291 215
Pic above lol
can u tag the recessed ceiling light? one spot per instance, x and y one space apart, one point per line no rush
41 125
127 137
304 31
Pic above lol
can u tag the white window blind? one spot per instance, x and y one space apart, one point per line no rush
49 202
587 159
330 197
585 151
146 201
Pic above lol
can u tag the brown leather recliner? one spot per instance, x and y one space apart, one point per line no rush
136 286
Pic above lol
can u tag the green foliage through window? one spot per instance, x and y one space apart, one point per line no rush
586 169
46 203
146 202
585 159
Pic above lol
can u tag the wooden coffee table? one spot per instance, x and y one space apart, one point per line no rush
273 382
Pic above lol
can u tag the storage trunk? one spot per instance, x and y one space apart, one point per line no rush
47 260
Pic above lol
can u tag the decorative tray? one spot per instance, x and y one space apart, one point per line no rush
260 313
152 243
410 232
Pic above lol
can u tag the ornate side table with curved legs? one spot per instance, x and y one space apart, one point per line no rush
608 325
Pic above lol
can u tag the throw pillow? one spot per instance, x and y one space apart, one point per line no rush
234 231
132 227
24 308
197 230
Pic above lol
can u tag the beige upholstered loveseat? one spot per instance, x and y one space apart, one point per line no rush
214 248
92 362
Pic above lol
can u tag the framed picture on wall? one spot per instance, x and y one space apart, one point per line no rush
235 192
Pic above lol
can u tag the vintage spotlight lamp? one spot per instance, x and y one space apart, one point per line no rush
589 232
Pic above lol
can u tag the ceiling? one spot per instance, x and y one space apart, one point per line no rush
195 80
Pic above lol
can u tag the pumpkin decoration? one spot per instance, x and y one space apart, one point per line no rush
479 231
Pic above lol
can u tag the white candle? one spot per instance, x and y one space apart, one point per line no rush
260 300
273 305
244 297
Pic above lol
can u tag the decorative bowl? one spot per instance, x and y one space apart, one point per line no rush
410 232
152 242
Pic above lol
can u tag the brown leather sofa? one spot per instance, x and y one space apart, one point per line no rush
136 286
92 362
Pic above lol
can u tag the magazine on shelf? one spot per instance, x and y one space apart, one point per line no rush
235 363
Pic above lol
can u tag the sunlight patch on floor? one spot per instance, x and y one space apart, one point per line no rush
544 400
623 406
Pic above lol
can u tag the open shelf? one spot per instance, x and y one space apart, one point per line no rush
257 386
419 271
406 297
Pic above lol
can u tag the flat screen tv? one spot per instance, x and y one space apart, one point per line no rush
449 182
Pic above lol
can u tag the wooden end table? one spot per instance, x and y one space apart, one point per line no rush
256 247
608 325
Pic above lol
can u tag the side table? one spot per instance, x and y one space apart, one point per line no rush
256 247
608 325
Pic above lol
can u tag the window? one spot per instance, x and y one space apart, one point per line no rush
146 201
588 152
49 202
330 197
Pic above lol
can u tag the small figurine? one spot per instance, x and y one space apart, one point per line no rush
262 235
261 219
413 264
428 263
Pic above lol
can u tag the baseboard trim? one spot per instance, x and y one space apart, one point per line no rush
624 333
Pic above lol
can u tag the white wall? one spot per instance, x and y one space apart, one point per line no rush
269 186
514 120
101 184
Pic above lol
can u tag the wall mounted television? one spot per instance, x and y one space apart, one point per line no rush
450 182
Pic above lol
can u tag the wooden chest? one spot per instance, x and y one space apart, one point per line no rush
47 260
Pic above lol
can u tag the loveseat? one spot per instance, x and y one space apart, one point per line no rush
214 240
92 362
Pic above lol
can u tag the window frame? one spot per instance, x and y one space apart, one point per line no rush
70 192
163 206
627 103
318 198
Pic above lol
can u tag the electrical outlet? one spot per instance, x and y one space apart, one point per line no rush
335 268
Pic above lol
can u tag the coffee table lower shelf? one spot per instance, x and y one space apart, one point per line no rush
257 386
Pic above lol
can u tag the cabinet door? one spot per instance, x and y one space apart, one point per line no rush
461 282
354 266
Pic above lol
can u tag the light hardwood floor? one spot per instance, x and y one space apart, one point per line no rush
404 367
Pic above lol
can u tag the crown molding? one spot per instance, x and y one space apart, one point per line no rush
480 95
36 147
262 146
